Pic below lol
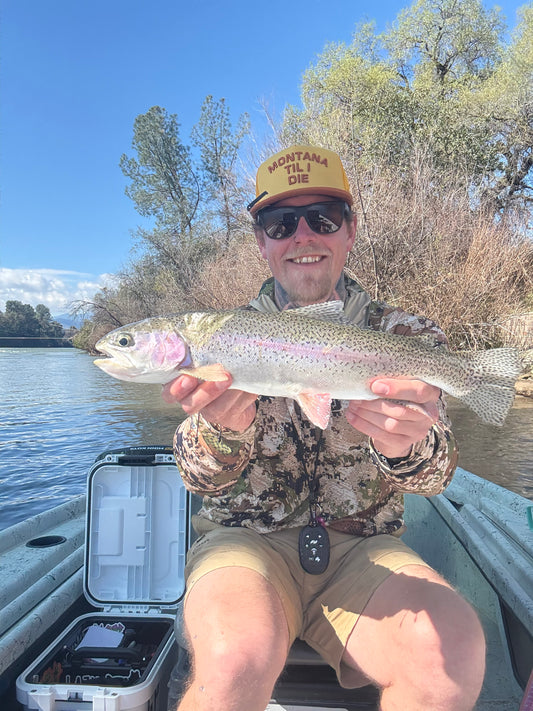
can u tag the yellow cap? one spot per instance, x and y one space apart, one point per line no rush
300 170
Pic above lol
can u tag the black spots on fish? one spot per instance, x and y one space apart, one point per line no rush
493 394
430 340
499 365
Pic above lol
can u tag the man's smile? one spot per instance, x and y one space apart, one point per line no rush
306 260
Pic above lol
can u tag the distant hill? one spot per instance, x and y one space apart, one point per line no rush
66 320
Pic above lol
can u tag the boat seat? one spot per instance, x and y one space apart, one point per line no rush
302 654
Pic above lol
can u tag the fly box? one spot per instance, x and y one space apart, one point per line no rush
121 657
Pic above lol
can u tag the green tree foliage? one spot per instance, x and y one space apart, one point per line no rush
22 320
163 183
440 81
219 147
48 326
505 99
193 196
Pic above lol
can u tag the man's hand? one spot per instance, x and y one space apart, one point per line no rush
395 427
233 409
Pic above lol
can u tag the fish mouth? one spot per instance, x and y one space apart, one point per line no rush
114 361
119 368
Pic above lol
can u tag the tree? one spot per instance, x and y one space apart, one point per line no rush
22 320
506 100
48 327
163 181
439 82
219 148
457 40
195 205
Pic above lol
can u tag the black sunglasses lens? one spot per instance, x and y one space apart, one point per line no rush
325 219
322 218
280 223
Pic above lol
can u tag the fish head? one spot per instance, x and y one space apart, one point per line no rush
149 351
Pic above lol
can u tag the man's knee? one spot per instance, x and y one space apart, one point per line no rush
246 659
452 635
421 642
237 633
448 650
235 673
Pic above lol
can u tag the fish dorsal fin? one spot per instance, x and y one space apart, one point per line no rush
316 407
328 311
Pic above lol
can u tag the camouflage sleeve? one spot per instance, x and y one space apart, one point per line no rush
211 459
430 467
383 317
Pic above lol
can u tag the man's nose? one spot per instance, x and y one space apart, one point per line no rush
303 231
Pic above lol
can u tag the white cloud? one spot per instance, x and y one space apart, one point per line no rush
54 288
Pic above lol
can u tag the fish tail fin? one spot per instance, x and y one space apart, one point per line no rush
496 372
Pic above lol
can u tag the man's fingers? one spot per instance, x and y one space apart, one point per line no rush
405 389
203 395
178 388
397 409
193 394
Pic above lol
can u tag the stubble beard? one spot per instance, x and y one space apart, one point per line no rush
309 290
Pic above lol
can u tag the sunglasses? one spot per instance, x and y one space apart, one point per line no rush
324 218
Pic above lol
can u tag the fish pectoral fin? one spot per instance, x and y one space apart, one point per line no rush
213 372
316 407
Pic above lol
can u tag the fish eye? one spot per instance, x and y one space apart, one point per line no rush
126 340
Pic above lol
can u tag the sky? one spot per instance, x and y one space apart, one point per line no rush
74 74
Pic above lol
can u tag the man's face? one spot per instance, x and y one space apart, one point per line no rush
306 264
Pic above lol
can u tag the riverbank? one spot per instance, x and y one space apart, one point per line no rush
38 342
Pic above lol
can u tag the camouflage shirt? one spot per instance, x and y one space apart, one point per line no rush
260 478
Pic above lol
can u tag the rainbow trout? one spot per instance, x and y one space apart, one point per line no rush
310 354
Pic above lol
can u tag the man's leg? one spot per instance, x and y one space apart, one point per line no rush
420 642
238 638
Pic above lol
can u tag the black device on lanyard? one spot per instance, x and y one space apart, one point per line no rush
313 542
313 547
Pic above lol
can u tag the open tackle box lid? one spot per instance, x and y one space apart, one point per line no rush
136 531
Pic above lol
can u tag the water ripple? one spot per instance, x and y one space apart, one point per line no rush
58 413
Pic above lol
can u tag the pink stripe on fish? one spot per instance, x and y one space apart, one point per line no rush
320 352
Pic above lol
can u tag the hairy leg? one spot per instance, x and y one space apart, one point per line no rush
420 642
239 641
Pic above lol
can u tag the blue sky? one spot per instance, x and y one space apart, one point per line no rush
76 73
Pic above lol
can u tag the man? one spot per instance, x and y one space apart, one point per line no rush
377 613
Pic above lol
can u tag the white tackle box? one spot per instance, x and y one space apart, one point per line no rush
120 659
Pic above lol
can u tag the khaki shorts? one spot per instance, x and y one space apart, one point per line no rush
320 609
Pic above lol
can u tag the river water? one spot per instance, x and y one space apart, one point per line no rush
58 412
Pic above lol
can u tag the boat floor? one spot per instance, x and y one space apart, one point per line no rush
475 535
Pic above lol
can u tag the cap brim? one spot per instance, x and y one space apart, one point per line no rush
328 192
